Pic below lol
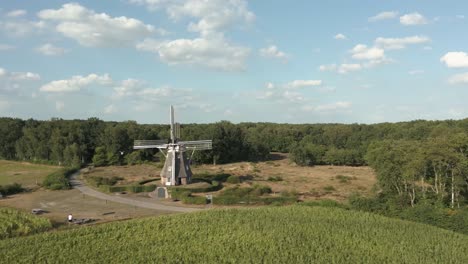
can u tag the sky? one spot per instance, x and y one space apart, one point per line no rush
354 61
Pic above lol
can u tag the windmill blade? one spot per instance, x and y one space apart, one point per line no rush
149 144
197 145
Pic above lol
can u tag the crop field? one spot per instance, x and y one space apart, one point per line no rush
294 234
16 223
26 174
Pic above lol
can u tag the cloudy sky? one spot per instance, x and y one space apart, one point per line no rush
270 61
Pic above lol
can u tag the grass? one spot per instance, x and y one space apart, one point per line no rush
26 174
131 174
294 234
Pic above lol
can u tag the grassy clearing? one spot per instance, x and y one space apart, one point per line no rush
279 174
294 234
26 174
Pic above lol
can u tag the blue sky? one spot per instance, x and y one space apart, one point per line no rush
237 60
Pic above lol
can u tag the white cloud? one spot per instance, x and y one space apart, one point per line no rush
341 105
415 72
76 83
345 68
4 47
340 37
332 107
4 104
150 4
342 68
273 52
459 78
400 43
91 29
270 85
21 28
16 13
362 52
110 109
213 52
413 19
329 67
455 59
303 83
25 76
213 15
51 50
127 88
138 91
383 16
19 76
59 105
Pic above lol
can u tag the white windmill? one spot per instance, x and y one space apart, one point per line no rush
176 170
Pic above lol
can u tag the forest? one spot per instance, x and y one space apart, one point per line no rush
415 161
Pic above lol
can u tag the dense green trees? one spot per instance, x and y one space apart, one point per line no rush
434 169
72 142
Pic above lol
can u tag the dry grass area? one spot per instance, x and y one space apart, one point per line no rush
61 203
318 182
26 174
131 174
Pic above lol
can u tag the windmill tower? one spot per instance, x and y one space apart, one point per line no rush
176 170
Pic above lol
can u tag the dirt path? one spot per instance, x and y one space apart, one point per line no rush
77 184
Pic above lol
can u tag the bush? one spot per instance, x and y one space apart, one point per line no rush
128 188
343 179
233 179
329 189
10 189
98 181
324 203
275 178
206 177
143 182
59 180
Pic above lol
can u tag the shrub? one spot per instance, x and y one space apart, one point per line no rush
10 189
275 178
329 189
59 180
233 179
343 179
98 181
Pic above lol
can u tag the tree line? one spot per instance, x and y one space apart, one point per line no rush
75 142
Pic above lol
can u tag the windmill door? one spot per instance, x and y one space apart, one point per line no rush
161 193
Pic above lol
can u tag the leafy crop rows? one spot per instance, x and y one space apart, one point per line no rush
17 223
294 234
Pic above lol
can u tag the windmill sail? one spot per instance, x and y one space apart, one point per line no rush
149 144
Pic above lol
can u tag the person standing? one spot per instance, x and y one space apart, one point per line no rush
70 218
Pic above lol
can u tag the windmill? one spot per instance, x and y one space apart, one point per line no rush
176 170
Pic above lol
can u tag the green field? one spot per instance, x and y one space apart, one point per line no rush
294 234
26 174
17 223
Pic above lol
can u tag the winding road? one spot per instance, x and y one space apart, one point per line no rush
77 184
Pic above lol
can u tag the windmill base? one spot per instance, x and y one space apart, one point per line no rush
161 193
